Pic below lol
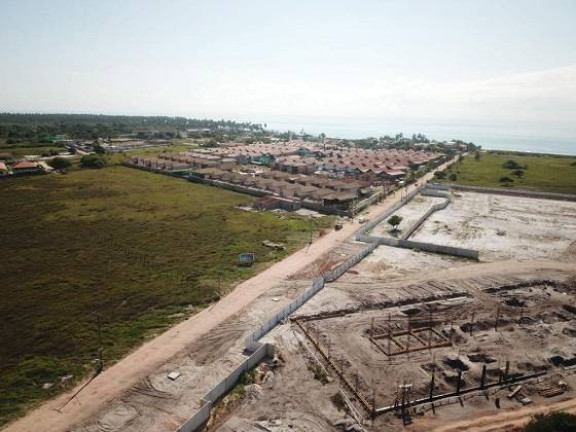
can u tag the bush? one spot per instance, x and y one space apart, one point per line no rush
93 161
453 177
513 165
553 422
518 173
59 163
54 152
506 180
394 221
440 175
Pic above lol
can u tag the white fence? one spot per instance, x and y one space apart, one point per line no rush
505 191
375 241
433 209
372 224
203 414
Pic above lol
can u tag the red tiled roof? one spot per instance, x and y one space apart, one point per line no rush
25 165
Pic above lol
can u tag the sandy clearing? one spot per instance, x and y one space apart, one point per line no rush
153 354
503 227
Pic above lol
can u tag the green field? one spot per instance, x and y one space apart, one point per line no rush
543 172
136 250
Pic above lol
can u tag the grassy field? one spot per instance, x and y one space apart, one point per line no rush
543 172
135 250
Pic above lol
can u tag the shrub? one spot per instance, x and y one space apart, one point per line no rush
93 161
518 173
513 165
59 163
453 177
394 221
553 422
506 180
440 175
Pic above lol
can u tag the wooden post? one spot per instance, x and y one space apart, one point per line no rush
483 379
408 340
430 330
432 386
458 382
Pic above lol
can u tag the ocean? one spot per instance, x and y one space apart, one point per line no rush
558 139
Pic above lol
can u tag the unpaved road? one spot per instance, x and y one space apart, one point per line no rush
137 365
504 421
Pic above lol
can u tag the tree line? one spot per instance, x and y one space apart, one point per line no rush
39 127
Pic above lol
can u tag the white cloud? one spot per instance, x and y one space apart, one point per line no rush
548 95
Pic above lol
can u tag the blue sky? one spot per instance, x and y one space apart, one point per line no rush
493 61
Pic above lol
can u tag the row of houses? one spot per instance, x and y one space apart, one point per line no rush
367 165
22 167
300 157
320 190
182 162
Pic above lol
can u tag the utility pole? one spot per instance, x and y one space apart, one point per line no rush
100 366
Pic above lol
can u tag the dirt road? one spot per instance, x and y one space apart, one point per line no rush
504 421
137 365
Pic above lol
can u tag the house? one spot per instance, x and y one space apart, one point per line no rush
273 203
26 167
296 165
339 200
3 169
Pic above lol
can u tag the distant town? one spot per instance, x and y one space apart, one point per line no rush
285 170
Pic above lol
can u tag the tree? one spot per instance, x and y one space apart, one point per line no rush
518 173
553 422
59 163
441 175
512 164
394 221
93 161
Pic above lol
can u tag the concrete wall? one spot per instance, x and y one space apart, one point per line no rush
429 247
431 210
363 236
261 351
370 225
505 191
201 416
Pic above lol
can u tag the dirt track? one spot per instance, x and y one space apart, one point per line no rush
507 420
150 356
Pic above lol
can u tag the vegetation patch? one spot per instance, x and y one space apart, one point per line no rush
537 172
126 250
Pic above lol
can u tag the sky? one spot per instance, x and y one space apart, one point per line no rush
498 62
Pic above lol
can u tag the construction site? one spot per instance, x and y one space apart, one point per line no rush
413 340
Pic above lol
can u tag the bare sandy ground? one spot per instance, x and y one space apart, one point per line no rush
147 359
503 227
389 263
503 421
